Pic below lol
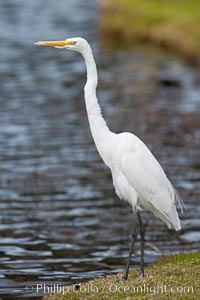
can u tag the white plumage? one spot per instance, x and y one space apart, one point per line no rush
139 179
137 176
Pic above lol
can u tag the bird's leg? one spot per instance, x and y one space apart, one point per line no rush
142 232
133 239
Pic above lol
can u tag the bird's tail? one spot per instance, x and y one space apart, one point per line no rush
172 219
178 199
166 210
173 214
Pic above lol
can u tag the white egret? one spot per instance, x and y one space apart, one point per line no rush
137 176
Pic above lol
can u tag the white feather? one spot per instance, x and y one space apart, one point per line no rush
138 178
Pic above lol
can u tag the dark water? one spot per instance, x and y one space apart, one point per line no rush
60 221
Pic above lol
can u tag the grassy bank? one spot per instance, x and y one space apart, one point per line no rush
174 24
174 277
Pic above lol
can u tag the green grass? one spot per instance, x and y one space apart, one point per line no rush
175 277
174 24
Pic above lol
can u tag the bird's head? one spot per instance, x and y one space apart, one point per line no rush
76 44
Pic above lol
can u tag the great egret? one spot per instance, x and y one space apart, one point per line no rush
137 176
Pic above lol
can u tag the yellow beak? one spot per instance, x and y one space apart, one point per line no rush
55 43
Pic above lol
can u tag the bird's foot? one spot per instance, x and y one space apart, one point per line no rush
141 273
125 276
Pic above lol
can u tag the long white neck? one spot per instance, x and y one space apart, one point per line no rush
100 131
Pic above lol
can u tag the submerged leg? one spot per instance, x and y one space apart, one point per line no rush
133 239
142 232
